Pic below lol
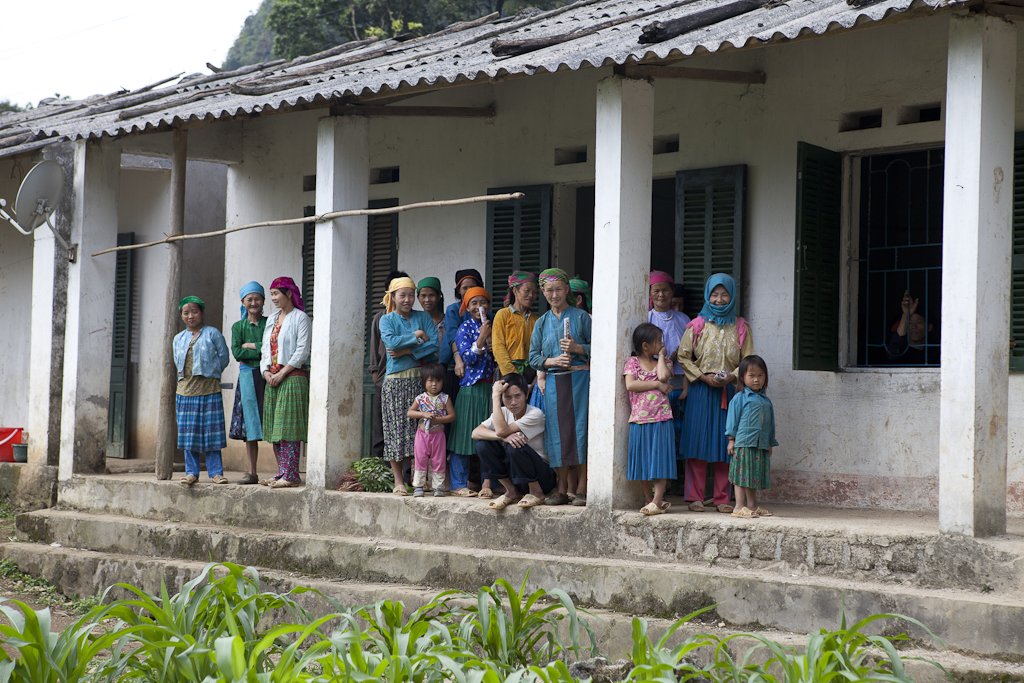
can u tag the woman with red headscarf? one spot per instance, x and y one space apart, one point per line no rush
283 362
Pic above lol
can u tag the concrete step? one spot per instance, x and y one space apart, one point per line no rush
82 572
856 545
986 624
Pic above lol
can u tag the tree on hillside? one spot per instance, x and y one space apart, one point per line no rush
255 43
8 106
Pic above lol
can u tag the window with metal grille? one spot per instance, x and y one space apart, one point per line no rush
900 252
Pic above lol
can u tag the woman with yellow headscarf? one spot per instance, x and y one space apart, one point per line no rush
411 341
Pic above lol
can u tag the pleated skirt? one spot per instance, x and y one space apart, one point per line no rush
472 407
566 415
652 453
286 410
396 395
703 436
751 468
242 429
200 422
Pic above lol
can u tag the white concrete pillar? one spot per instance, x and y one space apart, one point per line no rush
338 344
42 420
89 332
622 253
976 250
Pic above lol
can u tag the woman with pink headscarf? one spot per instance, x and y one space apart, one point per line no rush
283 362
672 324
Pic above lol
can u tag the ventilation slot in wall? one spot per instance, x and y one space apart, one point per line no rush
861 120
382 176
920 114
666 144
309 183
570 155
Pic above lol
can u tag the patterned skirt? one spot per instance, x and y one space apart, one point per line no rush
396 395
242 429
703 436
472 407
200 422
652 453
751 468
566 414
286 410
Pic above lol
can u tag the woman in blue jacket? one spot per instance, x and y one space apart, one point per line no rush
200 354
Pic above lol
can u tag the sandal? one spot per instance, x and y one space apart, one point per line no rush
501 502
248 478
556 499
284 484
400 491
744 513
189 479
267 482
665 505
761 512
485 493
652 509
464 492
696 506
529 500
219 479
726 509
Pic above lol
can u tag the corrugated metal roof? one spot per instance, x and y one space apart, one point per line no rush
456 54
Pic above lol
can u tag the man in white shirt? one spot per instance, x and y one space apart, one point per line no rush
510 445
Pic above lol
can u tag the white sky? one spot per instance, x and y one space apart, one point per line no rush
84 47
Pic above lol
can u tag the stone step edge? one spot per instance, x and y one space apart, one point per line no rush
653 564
613 629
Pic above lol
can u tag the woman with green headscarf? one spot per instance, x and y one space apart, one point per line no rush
200 355
581 290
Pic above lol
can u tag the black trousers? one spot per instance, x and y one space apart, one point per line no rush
378 423
499 460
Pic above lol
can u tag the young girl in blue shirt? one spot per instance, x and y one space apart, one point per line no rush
750 426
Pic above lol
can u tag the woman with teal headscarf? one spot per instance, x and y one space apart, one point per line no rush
246 340
710 351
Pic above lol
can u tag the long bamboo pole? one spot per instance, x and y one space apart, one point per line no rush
322 218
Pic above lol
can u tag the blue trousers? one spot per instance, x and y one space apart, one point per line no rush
213 463
458 471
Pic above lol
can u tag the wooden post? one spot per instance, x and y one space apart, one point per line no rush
167 429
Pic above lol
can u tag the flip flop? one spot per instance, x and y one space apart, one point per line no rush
500 503
761 512
744 513
529 500
485 493
652 509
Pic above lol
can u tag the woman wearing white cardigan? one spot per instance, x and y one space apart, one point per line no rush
283 362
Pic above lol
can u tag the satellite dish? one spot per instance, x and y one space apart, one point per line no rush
38 196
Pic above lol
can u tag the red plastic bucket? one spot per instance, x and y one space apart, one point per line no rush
8 437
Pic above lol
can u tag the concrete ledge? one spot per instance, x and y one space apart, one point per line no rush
28 487
987 624
79 573
901 548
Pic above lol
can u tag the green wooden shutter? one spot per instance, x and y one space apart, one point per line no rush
120 357
1017 280
709 228
518 237
381 259
818 214
308 258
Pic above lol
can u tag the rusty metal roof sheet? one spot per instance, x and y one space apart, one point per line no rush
462 53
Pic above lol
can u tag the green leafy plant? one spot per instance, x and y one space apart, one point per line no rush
374 474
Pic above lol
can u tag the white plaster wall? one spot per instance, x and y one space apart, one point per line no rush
15 316
852 438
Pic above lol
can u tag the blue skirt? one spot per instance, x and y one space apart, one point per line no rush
567 409
200 423
537 398
703 436
652 453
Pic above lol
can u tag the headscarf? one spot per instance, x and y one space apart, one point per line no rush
461 275
720 315
519 277
192 300
396 284
656 277
553 275
287 285
470 293
435 285
579 286
250 288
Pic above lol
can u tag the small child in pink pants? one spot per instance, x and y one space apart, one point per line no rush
433 408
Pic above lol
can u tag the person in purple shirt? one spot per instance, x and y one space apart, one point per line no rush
672 323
